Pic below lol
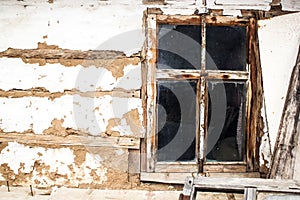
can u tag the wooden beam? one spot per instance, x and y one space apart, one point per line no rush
240 184
287 147
58 53
72 140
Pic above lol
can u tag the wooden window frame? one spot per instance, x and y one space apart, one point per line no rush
150 73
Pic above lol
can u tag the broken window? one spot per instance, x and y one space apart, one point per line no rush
198 96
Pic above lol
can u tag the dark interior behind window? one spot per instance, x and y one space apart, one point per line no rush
176 120
226 118
226 48
179 46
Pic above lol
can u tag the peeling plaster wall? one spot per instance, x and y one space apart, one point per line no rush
74 96
100 98
44 166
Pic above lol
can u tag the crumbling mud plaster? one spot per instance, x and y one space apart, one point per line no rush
76 166
43 167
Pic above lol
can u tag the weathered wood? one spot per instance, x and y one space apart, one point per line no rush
179 178
287 143
134 161
290 5
175 178
224 168
244 2
227 20
179 19
233 174
196 74
239 184
61 53
72 140
254 100
176 167
250 193
42 92
150 111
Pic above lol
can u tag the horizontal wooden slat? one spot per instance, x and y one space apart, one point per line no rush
169 74
226 20
224 168
176 178
176 167
179 19
177 74
179 178
40 92
244 2
263 185
53 52
72 140
290 5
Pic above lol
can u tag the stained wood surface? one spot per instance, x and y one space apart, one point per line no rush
239 184
287 147
72 140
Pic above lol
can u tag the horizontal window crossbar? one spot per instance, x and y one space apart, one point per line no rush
166 74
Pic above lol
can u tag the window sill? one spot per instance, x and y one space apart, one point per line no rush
179 178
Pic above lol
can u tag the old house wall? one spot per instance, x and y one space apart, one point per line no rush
70 100
279 39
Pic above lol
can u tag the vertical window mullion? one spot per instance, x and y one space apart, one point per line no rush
202 97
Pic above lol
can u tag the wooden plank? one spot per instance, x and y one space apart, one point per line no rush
134 161
179 19
233 174
49 52
179 178
175 178
244 2
226 20
224 168
151 51
72 140
254 100
262 185
176 167
290 5
287 147
41 92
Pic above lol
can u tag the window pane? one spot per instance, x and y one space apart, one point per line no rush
226 121
176 120
179 46
226 48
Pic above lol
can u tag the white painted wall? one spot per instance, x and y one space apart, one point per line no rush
90 115
279 39
15 74
109 25
78 24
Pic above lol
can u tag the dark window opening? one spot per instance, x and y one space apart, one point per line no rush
226 48
176 120
179 46
194 121
226 119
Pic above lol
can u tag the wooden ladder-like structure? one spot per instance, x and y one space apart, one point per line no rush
248 186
